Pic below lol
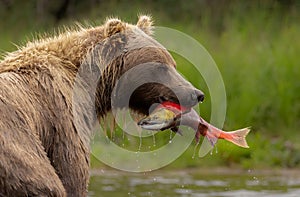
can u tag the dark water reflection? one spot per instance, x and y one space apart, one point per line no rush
195 183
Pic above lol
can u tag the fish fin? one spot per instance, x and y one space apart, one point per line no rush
211 138
179 131
238 137
207 132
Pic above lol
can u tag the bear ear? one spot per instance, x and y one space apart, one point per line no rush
145 23
113 26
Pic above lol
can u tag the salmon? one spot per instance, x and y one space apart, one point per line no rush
169 115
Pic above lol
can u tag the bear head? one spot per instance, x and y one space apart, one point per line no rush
137 71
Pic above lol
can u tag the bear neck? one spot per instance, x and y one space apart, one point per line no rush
69 52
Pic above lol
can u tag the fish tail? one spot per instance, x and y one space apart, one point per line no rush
237 137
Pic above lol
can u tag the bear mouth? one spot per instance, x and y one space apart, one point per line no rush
184 109
162 122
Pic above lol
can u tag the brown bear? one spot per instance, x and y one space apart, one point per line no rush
42 150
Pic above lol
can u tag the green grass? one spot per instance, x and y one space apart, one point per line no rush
256 47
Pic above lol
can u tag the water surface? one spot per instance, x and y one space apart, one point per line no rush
196 183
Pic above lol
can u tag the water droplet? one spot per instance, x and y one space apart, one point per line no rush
195 148
113 133
140 145
154 141
211 152
216 150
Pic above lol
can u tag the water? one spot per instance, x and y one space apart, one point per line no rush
195 183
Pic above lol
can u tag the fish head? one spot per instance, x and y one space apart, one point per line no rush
160 119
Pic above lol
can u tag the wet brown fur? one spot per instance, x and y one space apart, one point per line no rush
42 152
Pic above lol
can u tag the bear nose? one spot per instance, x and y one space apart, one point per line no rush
198 95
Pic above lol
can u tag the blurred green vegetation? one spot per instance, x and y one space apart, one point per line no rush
255 44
